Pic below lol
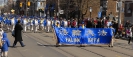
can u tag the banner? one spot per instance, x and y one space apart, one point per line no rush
83 36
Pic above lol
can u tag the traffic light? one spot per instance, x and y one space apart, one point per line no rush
21 4
28 3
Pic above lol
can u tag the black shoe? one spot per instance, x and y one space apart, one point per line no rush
13 46
23 46
109 45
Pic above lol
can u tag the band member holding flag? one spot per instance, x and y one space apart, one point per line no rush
82 26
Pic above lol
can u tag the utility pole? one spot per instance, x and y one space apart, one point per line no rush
58 8
119 13
4 6
26 7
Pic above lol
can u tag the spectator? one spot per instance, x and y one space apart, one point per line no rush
18 36
5 46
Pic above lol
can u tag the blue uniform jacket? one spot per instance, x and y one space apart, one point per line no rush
39 21
45 22
6 43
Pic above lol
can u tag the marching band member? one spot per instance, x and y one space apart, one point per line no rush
31 24
65 23
57 21
6 23
48 25
112 39
13 22
28 23
82 26
58 25
35 25
44 24
41 24
25 24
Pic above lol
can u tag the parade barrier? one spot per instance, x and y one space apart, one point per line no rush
80 36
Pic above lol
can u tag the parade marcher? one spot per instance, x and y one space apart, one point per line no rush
82 26
7 23
31 24
28 23
25 24
112 39
13 22
44 24
18 34
35 25
5 45
65 23
48 25
58 25
41 24
57 22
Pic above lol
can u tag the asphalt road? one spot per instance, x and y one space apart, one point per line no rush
43 45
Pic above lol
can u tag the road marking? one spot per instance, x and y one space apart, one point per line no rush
40 44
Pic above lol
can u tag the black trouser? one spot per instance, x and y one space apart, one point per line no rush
15 42
129 40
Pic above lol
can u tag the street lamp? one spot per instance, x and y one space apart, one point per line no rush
90 11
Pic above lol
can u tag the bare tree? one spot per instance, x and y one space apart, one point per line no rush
85 4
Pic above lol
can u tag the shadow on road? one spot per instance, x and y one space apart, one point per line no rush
74 45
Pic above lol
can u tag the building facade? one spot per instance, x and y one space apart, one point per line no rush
104 6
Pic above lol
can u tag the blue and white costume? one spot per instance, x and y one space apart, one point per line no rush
25 24
65 23
13 22
35 25
48 25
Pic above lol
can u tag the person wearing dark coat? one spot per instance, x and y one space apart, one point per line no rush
18 34
89 24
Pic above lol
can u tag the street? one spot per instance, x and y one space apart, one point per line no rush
43 45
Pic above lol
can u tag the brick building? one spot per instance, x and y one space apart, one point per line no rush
106 5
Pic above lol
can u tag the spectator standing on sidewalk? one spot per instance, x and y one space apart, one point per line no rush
129 34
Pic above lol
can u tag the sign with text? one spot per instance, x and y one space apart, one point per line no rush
83 36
